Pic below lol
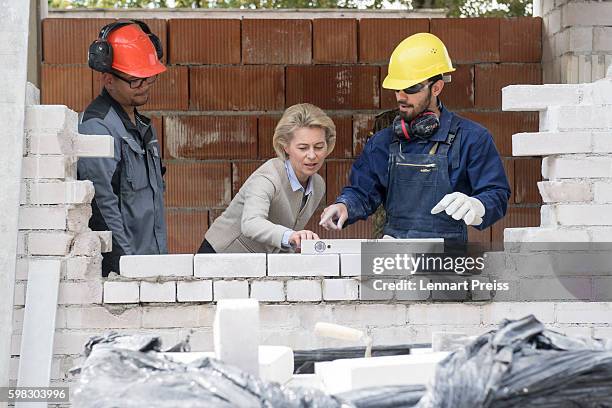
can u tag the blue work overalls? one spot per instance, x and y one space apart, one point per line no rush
417 182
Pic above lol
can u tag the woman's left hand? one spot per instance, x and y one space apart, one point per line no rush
297 237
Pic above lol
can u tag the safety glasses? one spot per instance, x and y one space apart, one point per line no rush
137 83
416 88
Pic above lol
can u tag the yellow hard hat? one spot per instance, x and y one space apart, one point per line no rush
415 59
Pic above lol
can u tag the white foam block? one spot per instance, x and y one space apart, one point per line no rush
39 323
275 362
350 374
236 333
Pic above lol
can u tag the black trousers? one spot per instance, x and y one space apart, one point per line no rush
206 248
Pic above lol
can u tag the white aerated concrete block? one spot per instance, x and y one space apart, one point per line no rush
49 243
47 167
548 143
71 192
121 292
444 314
95 146
19 294
78 219
304 291
106 241
350 264
80 293
52 117
145 266
268 291
32 94
22 243
101 318
303 265
602 38
194 291
351 374
276 363
544 235
42 218
584 312
539 97
236 333
593 13
49 143
234 289
229 265
84 267
340 289
86 244
158 292
565 191
576 118
580 166
496 312
21 269
39 324
600 91
587 214
602 192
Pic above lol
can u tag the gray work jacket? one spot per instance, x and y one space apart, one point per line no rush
129 187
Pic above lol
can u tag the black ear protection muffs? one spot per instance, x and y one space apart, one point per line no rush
421 127
100 55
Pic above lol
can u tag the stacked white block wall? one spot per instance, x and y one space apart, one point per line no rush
53 220
575 139
576 40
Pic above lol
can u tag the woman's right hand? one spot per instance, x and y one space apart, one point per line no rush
295 240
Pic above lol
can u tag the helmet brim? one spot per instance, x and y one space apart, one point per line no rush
397 84
143 72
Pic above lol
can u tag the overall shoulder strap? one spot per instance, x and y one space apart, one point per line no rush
452 142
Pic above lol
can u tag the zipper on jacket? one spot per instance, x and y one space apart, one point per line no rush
424 168
416 165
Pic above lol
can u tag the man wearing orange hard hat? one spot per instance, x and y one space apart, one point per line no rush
129 188
434 172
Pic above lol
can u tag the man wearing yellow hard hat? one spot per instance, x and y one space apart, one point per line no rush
434 171
129 189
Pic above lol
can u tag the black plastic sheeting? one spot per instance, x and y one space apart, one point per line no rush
524 365
126 371
304 359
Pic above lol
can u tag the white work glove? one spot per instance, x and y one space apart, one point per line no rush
335 212
461 207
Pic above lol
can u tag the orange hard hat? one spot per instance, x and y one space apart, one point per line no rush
134 53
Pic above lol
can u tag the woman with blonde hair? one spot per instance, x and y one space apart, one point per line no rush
273 206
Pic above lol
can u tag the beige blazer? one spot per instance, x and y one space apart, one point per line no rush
264 208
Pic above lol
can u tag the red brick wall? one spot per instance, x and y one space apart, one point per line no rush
229 81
